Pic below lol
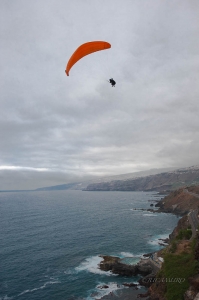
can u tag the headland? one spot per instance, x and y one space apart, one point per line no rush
173 272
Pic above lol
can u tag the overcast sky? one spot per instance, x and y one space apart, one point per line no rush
54 127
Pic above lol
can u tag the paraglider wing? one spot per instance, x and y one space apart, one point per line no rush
85 49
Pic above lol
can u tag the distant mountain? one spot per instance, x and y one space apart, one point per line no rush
151 180
165 181
154 179
84 183
58 187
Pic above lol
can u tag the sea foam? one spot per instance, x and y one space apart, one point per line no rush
158 239
38 288
150 215
91 264
6 298
101 291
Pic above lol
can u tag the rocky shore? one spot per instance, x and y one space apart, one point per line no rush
116 266
146 267
179 202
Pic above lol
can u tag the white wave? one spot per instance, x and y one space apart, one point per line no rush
158 239
24 292
6 298
164 236
39 288
150 215
129 254
91 264
101 291
154 242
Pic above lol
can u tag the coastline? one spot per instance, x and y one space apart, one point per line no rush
127 294
147 270
140 290
183 203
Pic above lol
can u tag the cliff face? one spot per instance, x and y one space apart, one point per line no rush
179 202
183 223
181 256
159 182
159 289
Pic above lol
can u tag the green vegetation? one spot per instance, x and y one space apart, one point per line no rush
173 247
177 269
184 234
193 245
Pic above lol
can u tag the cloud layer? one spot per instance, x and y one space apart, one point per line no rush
79 125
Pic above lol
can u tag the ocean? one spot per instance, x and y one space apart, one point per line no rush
50 242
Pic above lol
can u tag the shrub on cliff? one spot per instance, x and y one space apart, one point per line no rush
184 234
173 247
177 269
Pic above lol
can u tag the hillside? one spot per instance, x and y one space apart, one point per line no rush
162 182
181 256
180 201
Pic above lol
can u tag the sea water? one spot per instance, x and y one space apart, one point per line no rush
50 242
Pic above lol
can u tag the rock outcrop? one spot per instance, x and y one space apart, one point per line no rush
114 264
178 202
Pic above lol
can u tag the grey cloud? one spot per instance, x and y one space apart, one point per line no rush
80 125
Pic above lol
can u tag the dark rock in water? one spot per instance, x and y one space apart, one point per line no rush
125 270
165 240
148 254
151 204
144 269
103 286
129 284
152 210
161 244
108 262
113 264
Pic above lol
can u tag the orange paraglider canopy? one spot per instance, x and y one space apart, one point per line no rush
85 49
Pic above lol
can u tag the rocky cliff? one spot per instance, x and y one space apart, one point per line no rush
181 256
180 201
180 248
